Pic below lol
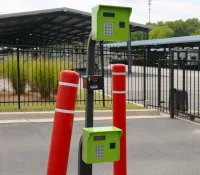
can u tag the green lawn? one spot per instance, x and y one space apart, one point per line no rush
49 106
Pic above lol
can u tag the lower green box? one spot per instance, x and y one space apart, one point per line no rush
101 144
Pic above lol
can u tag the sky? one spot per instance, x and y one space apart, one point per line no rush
161 10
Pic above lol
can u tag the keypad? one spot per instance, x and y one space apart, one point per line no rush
99 151
108 28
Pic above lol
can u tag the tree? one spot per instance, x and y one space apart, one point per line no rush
160 23
154 33
161 32
139 36
178 27
192 25
151 24
197 32
166 32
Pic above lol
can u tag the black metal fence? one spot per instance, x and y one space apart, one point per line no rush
165 80
172 85
185 84
29 75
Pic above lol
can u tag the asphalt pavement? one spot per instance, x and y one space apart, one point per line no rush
159 146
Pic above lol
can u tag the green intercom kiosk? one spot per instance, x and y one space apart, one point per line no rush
101 144
110 23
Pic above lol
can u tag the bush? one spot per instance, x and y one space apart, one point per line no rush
11 73
45 74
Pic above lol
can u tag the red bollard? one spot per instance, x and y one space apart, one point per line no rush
119 113
63 123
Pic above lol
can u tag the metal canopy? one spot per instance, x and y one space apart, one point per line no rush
52 25
156 43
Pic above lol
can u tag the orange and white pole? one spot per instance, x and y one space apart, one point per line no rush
63 123
119 114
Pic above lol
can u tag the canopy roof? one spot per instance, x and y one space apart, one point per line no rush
51 25
189 41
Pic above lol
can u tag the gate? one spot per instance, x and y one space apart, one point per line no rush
172 83
157 79
185 83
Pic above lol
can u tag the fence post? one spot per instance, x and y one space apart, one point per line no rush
129 53
102 69
172 85
198 74
144 66
159 83
18 74
184 62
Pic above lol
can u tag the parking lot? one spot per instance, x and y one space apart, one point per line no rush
154 147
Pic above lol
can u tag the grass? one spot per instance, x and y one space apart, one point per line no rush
50 106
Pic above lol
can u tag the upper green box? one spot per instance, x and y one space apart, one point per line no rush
110 23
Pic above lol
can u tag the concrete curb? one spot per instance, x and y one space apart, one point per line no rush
49 115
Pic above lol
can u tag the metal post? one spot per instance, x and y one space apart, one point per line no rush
129 54
178 62
172 85
102 69
184 62
198 56
159 83
198 75
90 71
145 59
83 168
147 34
18 74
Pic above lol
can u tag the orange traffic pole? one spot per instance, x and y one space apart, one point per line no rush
119 114
63 123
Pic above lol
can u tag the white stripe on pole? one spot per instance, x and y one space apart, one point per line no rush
118 73
68 84
119 92
64 111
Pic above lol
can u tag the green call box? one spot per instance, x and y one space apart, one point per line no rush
111 23
101 144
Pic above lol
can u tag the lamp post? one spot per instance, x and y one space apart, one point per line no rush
149 3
